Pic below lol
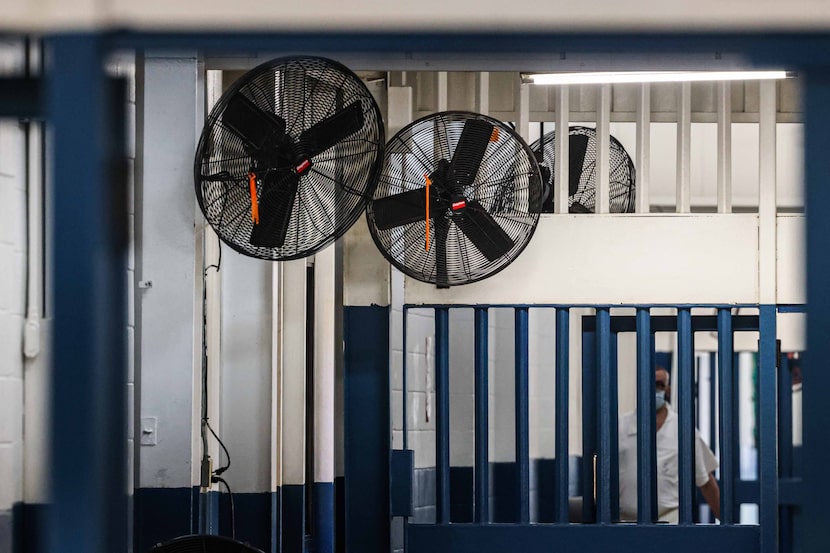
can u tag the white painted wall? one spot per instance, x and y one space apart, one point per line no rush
169 255
246 370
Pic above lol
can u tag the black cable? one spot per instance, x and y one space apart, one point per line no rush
218 261
230 495
205 420
222 469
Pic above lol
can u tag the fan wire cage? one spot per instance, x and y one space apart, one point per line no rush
467 158
288 158
582 186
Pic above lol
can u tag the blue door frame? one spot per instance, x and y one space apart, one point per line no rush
83 127
599 352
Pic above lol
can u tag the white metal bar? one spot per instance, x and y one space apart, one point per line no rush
603 203
213 340
324 352
561 151
213 300
276 378
339 409
684 148
483 92
293 356
523 109
441 91
766 195
399 111
643 166
724 148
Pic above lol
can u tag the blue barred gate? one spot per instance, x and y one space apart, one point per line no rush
773 491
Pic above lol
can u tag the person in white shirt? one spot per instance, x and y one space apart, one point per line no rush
667 464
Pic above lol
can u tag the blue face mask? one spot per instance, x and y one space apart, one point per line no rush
660 399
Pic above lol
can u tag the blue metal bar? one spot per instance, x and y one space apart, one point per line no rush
714 442
792 308
482 465
88 404
727 420
622 538
779 48
768 396
522 414
686 430
668 323
442 415
604 453
562 397
646 439
589 422
814 536
785 418
785 451
613 423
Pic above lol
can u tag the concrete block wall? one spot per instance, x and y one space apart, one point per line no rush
123 67
12 304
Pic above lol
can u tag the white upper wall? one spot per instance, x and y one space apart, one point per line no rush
426 15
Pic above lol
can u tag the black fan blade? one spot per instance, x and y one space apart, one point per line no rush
577 207
275 206
253 125
484 232
403 209
442 230
577 147
331 130
469 152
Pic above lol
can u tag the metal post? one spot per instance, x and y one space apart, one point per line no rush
613 424
562 396
768 449
785 448
442 415
589 421
522 414
604 465
646 439
727 419
482 465
88 434
686 430
814 536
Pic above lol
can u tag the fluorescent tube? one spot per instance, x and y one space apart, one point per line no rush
649 77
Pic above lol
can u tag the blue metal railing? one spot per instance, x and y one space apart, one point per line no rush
599 464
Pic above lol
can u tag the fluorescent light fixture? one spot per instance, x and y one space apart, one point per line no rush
650 77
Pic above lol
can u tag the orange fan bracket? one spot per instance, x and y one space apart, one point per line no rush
429 183
254 200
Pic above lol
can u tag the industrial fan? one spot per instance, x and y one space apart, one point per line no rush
203 544
458 198
288 157
582 179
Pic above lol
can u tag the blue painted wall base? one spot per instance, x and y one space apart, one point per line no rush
162 514
322 521
293 518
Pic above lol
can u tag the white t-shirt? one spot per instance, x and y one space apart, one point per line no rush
667 467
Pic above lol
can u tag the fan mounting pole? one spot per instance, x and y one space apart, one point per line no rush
429 183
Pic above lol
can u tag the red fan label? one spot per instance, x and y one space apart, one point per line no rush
304 166
461 204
